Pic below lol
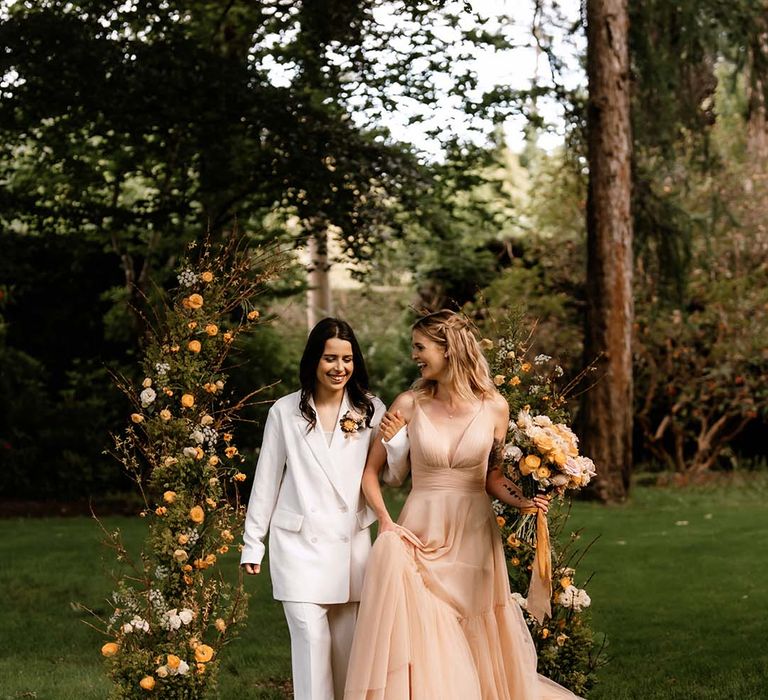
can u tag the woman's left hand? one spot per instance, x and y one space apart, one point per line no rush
541 501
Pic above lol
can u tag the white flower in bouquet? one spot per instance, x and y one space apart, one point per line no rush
137 624
186 615
147 397
524 421
581 600
181 670
174 619
565 597
198 436
190 452
541 359
512 453
542 421
162 368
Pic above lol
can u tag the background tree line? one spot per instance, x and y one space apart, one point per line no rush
131 129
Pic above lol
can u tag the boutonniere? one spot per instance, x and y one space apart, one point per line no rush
351 423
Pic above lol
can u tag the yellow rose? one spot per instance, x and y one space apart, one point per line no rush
187 400
210 559
192 325
526 367
186 568
196 514
512 541
147 383
544 633
210 387
169 496
201 564
559 457
227 536
499 379
148 683
207 276
195 301
239 476
213 460
203 653
228 337
161 671
231 451
165 414
137 418
560 639
220 625
199 453
500 521
182 538
161 511
211 329
543 442
529 463
173 661
514 381
194 346
543 472
206 420
253 315
565 582
180 556
486 344
227 437
110 649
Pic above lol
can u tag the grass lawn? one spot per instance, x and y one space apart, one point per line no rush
679 588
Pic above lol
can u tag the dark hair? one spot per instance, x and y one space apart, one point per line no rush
357 386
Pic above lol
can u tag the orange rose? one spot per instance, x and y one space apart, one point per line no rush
137 418
203 653
500 521
195 301
529 463
229 337
213 460
231 451
187 400
227 437
526 367
253 315
173 661
110 649
161 510
148 683
211 329
169 496
239 476
192 325
188 580
194 346
207 276
196 514
182 538
514 381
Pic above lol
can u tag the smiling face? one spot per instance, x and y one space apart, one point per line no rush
335 366
429 356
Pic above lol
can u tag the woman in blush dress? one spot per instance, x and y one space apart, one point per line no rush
437 621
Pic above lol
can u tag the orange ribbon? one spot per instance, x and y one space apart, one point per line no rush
540 589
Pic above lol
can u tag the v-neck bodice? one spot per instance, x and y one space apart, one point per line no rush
439 458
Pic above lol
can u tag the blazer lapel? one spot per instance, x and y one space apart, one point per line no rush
318 445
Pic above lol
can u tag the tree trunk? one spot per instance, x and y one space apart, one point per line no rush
319 302
609 319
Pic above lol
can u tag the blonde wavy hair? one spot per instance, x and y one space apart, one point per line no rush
468 369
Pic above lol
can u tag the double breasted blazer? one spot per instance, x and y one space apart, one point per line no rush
307 494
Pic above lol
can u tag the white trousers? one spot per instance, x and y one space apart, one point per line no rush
321 639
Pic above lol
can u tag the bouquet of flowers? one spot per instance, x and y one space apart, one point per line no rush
542 457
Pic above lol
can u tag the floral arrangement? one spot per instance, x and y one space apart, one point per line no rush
541 456
351 423
173 611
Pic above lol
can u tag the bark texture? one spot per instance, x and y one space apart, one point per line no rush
607 414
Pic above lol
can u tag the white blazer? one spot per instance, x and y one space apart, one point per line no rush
307 494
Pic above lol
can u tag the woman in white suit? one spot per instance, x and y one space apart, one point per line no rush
306 492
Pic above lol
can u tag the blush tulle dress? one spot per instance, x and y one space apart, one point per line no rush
436 619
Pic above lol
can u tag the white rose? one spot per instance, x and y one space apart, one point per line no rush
512 453
198 437
147 383
147 396
186 615
581 600
162 671
127 628
183 668
206 420
542 421
190 451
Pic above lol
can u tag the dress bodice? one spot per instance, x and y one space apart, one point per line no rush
450 461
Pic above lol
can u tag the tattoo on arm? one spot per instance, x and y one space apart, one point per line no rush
496 457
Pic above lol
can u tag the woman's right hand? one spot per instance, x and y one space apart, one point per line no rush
391 424
252 569
387 525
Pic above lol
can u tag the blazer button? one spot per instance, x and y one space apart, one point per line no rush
343 509
313 540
